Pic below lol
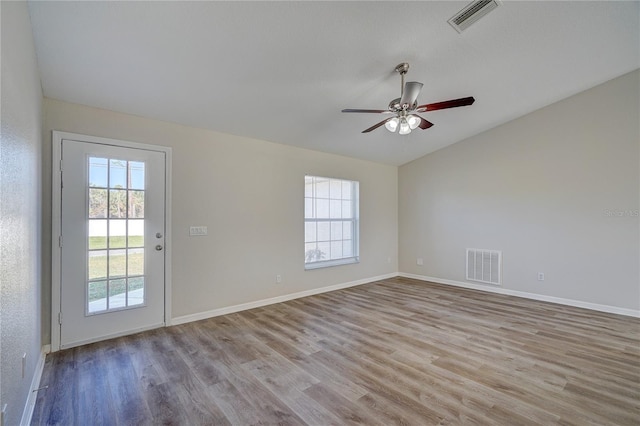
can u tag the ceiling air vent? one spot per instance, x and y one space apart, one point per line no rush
472 13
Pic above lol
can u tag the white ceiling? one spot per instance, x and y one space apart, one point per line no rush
282 71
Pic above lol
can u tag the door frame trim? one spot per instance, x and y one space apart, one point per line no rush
56 221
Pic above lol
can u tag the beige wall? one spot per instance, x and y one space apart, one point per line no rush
20 206
249 193
546 189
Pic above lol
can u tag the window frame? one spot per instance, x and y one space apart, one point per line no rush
353 220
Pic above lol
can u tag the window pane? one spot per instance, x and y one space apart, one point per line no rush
311 253
347 230
322 209
136 204
330 221
308 209
347 212
136 233
97 264
347 248
117 263
97 234
117 174
97 294
98 172
336 249
117 293
324 249
310 232
118 203
336 230
97 203
135 294
335 189
117 233
335 209
324 231
135 261
322 188
136 175
346 190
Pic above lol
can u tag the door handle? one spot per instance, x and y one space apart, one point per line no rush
159 247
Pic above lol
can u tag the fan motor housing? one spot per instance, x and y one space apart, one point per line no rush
395 105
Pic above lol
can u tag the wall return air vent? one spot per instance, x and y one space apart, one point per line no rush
472 13
484 266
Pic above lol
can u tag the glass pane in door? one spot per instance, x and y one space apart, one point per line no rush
115 215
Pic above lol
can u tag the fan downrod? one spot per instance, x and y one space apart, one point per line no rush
402 69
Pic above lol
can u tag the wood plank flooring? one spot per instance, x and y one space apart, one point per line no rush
397 351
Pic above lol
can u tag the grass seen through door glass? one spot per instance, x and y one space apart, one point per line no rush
117 241
98 289
98 265
118 263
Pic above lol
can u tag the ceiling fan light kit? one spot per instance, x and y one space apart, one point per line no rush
404 127
404 108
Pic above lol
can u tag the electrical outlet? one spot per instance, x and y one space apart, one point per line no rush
420 261
388 260
24 364
278 279
540 276
197 231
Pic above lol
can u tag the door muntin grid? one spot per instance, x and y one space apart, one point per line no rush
115 244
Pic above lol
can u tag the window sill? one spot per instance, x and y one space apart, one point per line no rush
330 263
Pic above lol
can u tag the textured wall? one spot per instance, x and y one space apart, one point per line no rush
20 207
250 195
556 190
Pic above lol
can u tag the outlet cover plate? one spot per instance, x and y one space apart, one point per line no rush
197 231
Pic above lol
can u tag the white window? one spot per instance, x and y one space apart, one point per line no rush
330 222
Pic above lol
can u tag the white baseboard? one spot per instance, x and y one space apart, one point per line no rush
534 296
279 299
27 413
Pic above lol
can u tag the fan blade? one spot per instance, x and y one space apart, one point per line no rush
375 126
378 111
410 93
446 104
424 124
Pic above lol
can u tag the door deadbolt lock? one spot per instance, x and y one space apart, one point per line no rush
158 247
158 235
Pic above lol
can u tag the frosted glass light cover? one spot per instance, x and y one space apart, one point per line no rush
413 121
392 125
404 128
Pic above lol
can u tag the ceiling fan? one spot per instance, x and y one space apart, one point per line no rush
405 107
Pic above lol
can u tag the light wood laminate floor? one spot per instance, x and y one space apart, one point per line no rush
398 351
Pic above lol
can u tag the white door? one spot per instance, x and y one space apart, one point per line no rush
112 246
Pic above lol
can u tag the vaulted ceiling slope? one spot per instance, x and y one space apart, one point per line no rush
282 71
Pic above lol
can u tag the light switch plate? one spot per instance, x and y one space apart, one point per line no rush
197 231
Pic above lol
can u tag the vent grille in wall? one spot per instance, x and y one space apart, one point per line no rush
484 266
472 13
